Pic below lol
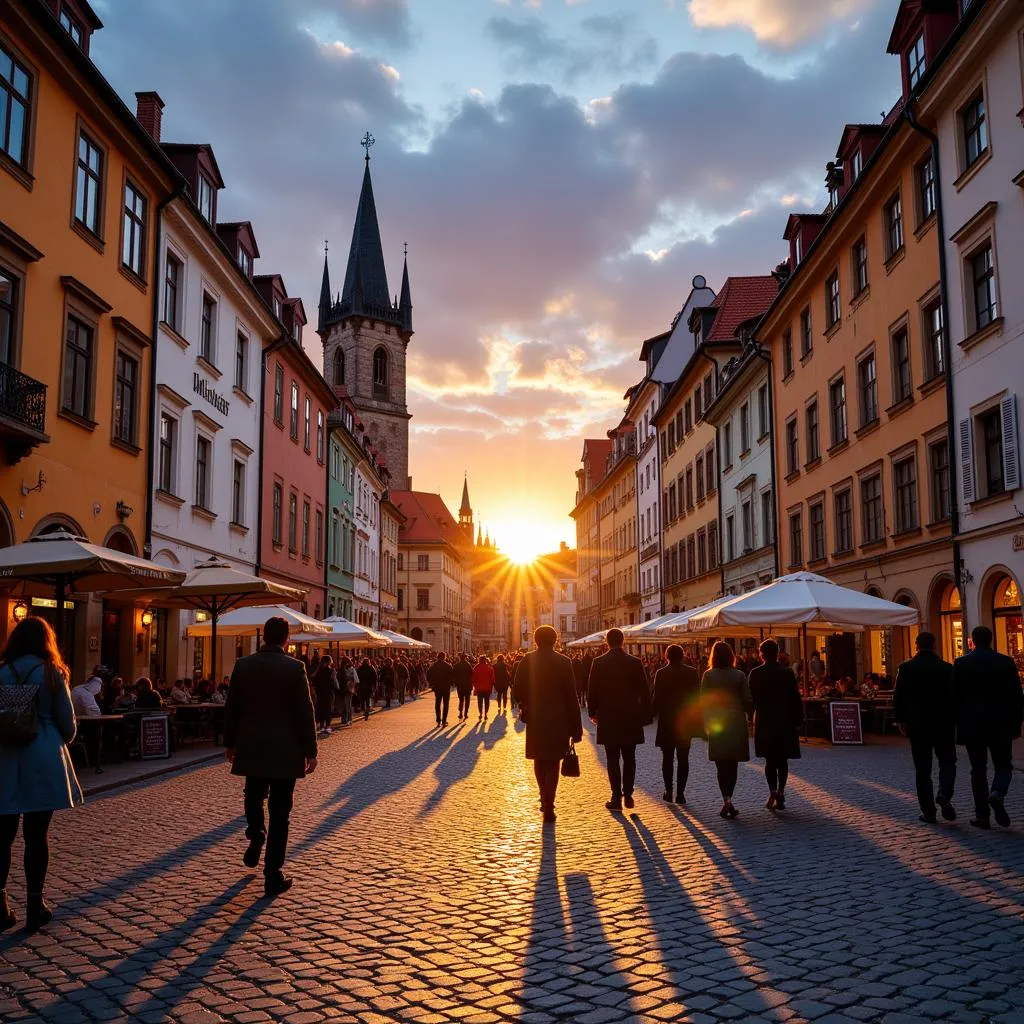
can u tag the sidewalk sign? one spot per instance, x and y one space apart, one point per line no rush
154 736
844 720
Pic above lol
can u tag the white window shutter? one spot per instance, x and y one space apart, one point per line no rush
966 441
1011 458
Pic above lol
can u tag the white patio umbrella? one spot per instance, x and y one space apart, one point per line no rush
593 640
251 620
647 632
343 633
405 643
71 565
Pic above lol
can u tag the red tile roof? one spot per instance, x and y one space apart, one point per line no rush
741 299
595 458
428 520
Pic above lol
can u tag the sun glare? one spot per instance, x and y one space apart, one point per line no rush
522 547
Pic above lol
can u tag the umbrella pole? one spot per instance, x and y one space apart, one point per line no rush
213 641
807 664
62 584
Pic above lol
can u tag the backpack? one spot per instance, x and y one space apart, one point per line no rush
19 712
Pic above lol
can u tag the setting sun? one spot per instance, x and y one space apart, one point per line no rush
523 541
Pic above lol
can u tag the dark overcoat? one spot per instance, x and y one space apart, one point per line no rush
778 710
988 696
725 702
618 698
268 717
462 673
439 677
500 675
547 703
677 705
923 698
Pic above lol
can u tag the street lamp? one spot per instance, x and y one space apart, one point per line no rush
147 618
20 612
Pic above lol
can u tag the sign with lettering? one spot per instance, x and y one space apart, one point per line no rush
844 719
1018 542
154 736
204 389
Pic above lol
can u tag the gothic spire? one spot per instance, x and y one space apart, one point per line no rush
465 509
366 280
405 303
325 295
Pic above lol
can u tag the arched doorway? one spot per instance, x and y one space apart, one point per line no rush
1006 619
120 539
417 633
951 622
878 644
57 523
904 636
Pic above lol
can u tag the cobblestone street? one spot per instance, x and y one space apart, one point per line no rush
427 890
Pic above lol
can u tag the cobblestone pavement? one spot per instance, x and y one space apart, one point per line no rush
427 890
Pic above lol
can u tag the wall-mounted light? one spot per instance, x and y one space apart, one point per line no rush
20 612
147 618
202 616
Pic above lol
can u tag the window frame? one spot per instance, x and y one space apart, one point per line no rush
238 491
833 301
278 411
812 422
941 492
202 492
86 415
843 520
134 223
172 259
865 387
132 354
277 515
167 453
916 61
926 189
868 517
837 413
19 168
892 226
934 337
381 382
241 361
93 234
796 538
979 129
806 333
816 531
859 262
900 358
293 412
208 328
906 504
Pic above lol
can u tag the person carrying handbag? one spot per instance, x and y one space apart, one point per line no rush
37 721
546 694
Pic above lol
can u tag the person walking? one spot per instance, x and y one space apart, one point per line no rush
367 675
387 681
462 673
725 704
36 773
348 683
401 678
325 686
989 711
483 684
618 701
677 708
778 715
439 679
501 683
924 710
545 692
270 735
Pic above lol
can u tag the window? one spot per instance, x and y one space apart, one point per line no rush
168 453
172 292
904 474
126 397
871 508
679 426
241 361
762 411
727 445
813 441
832 303
89 185
78 354
806 337
15 99
992 452
238 492
319 435
401 599
245 261
867 384
422 599
844 522
744 428
934 333
293 522
837 410
860 266
380 373
422 563
730 538
702 552
767 517
983 283
689 488
133 231
698 406
796 539
792 447
893 227
688 415
916 62
748 526
305 529
276 522
71 26
671 437
294 417
339 366
713 557
926 188
206 198
8 317
787 353
318 537
208 328
307 422
203 453
278 393
672 505
817 530
901 383
856 165
708 390
975 130
709 470
938 458
700 478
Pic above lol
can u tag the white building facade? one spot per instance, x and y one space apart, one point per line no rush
974 106
366 599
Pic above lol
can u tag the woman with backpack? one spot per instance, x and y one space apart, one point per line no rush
37 778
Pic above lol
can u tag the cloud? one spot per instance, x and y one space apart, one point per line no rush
374 20
777 23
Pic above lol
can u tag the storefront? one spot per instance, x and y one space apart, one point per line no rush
1008 626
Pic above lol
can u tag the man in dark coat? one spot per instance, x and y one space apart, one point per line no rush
677 707
367 675
462 674
989 711
545 691
923 708
618 700
439 679
270 735
778 715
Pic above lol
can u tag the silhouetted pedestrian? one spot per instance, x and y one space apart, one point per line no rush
725 703
439 679
778 715
462 674
677 708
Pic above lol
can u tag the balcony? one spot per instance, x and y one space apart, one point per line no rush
650 551
22 414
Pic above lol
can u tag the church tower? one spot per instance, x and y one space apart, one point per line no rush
466 514
365 334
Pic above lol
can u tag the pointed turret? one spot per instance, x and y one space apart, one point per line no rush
325 296
405 302
366 280
465 509
479 537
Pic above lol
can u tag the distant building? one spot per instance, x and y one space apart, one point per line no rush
588 534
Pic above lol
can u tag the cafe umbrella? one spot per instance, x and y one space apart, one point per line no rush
344 634
71 565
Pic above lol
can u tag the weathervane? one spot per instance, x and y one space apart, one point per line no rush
366 142
405 246
325 246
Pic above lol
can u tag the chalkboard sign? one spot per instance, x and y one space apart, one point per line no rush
844 718
154 736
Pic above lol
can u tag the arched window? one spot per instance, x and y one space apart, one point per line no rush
380 372
339 366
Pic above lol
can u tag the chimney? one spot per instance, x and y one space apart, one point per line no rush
149 111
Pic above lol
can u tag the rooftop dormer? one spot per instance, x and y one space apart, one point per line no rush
273 292
239 238
801 231
857 144
198 167
294 318
78 19
919 33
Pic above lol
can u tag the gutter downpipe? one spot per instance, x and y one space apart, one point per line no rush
274 346
759 351
947 358
176 193
718 478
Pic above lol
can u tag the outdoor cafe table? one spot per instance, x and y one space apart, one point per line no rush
100 720
205 706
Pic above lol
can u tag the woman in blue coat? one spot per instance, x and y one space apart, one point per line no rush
36 778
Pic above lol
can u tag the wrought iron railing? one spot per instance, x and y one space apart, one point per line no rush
22 398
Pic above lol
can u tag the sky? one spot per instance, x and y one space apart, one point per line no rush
560 170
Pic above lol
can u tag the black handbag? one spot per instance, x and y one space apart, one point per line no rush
571 762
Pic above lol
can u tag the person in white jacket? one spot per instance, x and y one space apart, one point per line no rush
83 698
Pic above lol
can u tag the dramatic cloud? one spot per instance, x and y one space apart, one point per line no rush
781 23
373 20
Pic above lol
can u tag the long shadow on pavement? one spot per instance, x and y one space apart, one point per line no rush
458 763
